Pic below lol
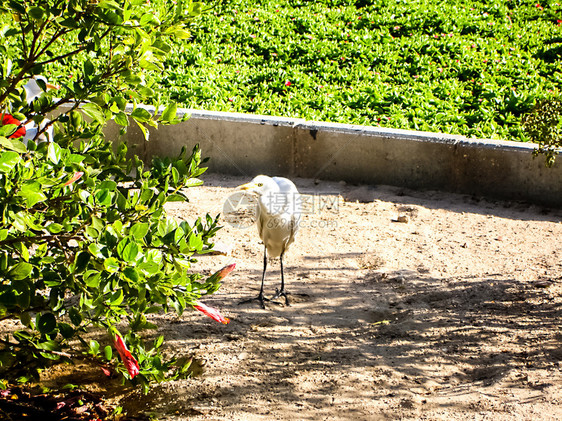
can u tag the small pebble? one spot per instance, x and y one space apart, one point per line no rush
401 218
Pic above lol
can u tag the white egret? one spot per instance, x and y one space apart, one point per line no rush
34 90
278 217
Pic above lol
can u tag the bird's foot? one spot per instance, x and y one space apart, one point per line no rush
259 298
296 297
281 293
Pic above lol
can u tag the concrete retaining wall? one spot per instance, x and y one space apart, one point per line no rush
244 144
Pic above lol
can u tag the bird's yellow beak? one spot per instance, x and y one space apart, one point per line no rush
51 86
247 186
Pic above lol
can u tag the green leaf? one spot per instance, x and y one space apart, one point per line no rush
176 197
94 111
195 242
141 115
31 191
131 274
149 267
121 119
94 347
69 23
149 19
144 131
195 8
91 232
81 261
178 32
66 330
75 158
194 182
8 160
159 341
146 195
12 144
48 345
46 323
74 316
54 153
24 251
149 62
108 352
88 68
108 184
130 252
36 12
103 197
54 228
6 130
139 230
170 112
111 264
25 319
76 119
21 271
92 278
96 250
109 4
117 298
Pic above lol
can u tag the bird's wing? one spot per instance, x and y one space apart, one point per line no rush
285 185
292 199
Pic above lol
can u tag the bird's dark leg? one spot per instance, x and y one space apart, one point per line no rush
281 292
260 296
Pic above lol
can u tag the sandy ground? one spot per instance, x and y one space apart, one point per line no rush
406 305
452 314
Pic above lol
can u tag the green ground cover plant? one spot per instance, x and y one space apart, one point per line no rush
471 68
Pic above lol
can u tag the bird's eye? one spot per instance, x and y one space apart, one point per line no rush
260 184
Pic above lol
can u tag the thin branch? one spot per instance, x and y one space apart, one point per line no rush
14 81
78 50
13 316
53 352
23 43
37 238
53 39
40 34
49 109
37 33
63 56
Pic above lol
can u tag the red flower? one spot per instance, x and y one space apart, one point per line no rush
213 313
221 274
288 83
226 270
9 119
106 371
131 364
75 177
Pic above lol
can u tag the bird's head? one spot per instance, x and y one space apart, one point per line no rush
260 185
35 86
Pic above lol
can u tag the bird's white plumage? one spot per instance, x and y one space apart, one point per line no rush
33 91
278 212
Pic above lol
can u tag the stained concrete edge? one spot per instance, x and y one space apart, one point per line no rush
249 144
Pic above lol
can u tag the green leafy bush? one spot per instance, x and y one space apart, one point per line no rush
84 239
544 127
